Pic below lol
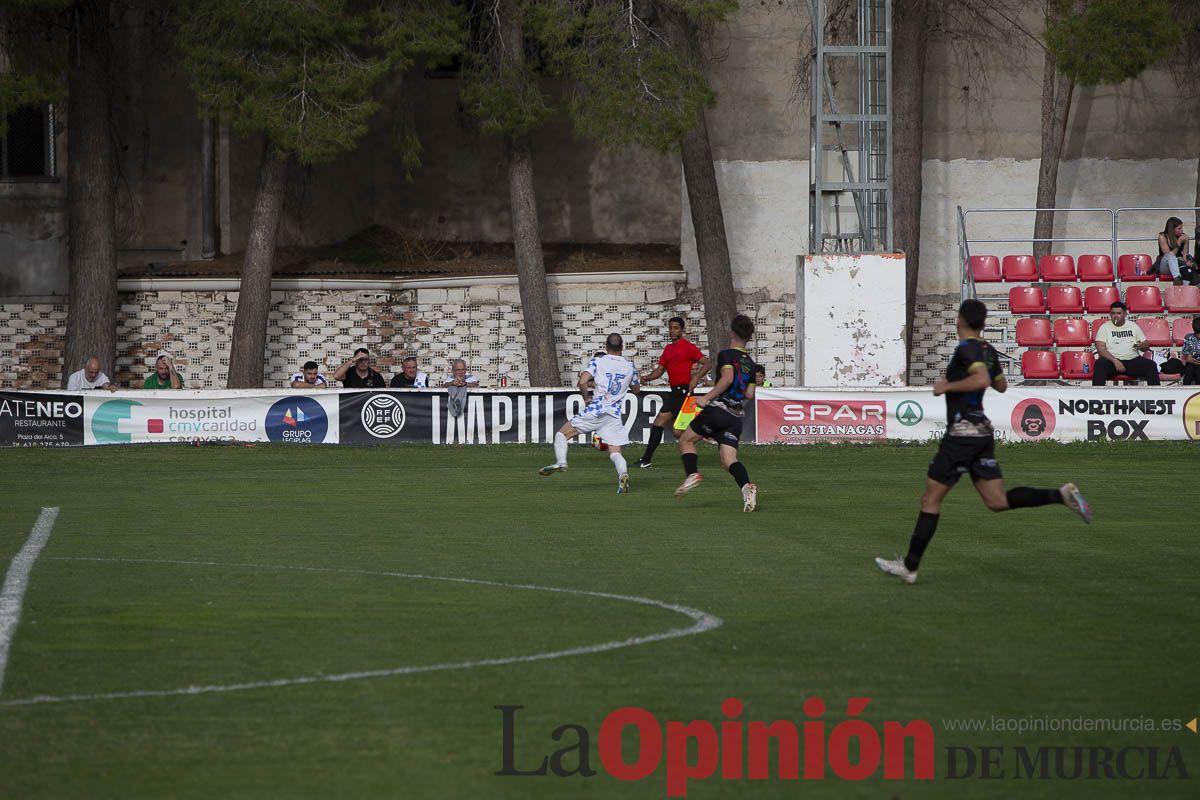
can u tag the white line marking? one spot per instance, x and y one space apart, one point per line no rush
702 622
17 581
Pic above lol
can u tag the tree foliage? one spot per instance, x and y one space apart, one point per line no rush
628 80
1112 40
33 61
303 72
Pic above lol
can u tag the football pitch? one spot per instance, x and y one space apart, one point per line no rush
342 622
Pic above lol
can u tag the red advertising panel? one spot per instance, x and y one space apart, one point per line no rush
837 420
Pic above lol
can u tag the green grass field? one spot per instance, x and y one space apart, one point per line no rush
171 567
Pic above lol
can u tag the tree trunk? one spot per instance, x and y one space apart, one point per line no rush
1057 90
254 295
708 222
91 196
910 26
527 232
531 269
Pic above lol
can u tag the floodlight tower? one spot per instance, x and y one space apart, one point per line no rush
850 153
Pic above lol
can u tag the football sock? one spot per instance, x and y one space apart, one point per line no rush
1024 497
656 434
738 470
560 448
691 463
922 533
618 462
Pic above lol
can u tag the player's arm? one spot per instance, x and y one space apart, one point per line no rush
340 374
1000 384
723 383
698 372
977 378
1103 351
582 383
301 384
1140 344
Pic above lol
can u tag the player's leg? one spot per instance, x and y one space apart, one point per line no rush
613 432
731 464
947 466
989 482
560 449
691 461
1104 371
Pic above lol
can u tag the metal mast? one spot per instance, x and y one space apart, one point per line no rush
861 172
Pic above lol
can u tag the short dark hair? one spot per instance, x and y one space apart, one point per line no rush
310 365
1195 324
362 350
599 354
680 320
614 342
742 327
407 359
1119 305
973 313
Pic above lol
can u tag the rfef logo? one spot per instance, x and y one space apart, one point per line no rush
382 416
1191 416
822 420
107 419
297 419
1033 420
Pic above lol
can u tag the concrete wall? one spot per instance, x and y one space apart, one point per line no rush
33 243
482 324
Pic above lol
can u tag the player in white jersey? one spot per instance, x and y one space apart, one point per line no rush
614 377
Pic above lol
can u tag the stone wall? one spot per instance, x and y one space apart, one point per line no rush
482 324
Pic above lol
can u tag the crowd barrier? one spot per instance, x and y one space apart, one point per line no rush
383 417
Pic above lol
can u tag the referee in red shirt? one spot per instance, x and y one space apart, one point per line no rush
678 360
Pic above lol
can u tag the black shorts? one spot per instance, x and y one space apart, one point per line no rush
958 455
717 423
674 400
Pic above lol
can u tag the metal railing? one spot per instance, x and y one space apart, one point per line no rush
964 242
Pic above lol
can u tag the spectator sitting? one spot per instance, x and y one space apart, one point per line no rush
1119 344
459 376
1173 258
164 376
1191 355
90 377
409 377
309 377
357 373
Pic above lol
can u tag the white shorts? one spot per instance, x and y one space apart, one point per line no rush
607 427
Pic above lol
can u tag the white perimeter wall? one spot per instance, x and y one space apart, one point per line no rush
765 204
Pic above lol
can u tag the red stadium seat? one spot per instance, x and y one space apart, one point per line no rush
1026 300
1095 268
1064 300
1096 323
1078 364
1034 332
1097 299
1180 328
1057 268
1155 330
986 269
1069 333
1039 365
1144 300
1182 299
1020 268
1135 267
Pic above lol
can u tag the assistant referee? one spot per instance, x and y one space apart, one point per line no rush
678 360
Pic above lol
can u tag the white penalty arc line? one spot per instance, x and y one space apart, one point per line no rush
17 581
701 622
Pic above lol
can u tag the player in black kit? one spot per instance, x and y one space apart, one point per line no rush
722 414
969 445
